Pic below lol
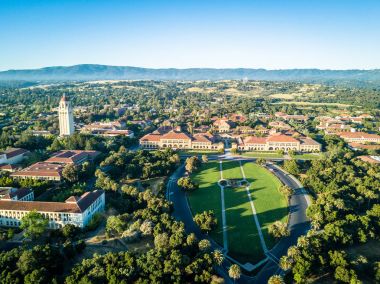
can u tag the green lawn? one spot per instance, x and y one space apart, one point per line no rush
207 196
231 170
308 156
243 239
259 154
270 204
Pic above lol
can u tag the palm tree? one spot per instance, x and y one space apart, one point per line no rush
293 251
286 262
276 279
302 242
234 272
218 257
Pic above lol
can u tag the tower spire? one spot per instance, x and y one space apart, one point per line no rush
66 118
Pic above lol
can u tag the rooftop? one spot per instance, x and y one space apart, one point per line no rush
13 152
363 135
75 205
72 156
41 169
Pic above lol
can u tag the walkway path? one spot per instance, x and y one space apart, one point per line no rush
224 222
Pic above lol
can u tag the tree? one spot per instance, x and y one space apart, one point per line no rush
291 166
33 224
204 245
192 164
70 231
146 228
278 229
206 220
286 262
204 159
260 161
293 251
161 241
218 257
187 184
377 271
303 242
71 172
234 272
276 279
286 190
37 276
114 226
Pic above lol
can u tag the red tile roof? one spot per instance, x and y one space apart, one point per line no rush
151 137
201 138
363 135
370 159
72 156
255 140
364 146
176 135
63 207
281 138
41 169
308 141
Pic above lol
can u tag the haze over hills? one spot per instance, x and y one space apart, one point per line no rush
105 72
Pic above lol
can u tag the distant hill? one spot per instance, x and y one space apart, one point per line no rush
86 72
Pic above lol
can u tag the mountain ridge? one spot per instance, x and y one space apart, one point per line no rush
83 72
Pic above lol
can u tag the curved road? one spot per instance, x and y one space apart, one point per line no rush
298 222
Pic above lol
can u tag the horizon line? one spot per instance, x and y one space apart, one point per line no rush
187 68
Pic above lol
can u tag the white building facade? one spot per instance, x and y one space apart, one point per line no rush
78 211
66 118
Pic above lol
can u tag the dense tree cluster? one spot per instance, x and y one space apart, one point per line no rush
141 164
345 214
175 258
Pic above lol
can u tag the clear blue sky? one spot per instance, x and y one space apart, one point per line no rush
328 34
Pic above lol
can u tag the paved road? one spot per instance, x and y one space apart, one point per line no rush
183 213
298 223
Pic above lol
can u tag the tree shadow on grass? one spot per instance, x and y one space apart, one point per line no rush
243 237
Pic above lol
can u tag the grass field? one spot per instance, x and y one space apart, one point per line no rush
308 156
243 239
270 204
207 196
262 154
231 170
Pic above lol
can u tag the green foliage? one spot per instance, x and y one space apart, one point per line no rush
40 264
286 190
71 173
234 271
114 226
292 167
63 193
192 164
187 184
278 229
206 221
34 224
